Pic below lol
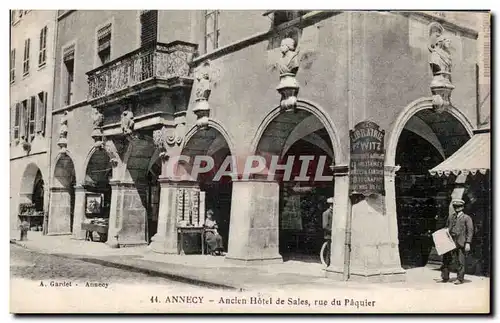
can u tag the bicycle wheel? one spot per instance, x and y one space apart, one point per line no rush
325 260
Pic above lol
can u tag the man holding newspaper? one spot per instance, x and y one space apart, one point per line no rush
461 229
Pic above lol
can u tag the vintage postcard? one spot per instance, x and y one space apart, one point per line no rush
250 161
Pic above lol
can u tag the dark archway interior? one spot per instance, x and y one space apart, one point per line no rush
217 192
422 200
97 176
153 196
302 202
64 177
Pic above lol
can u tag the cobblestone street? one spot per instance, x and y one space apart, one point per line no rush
26 264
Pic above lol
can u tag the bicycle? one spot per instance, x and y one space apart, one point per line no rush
324 254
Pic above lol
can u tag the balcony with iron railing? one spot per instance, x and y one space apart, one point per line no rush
157 66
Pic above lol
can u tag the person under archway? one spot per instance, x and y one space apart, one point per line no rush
212 237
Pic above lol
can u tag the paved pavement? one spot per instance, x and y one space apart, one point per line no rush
291 276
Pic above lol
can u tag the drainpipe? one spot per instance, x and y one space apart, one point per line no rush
50 119
347 251
347 243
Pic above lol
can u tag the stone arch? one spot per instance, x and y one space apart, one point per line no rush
29 178
408 112
215 124
136 160
64 171
316 111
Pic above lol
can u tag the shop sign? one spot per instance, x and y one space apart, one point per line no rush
366 173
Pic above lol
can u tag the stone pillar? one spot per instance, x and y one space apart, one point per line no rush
79 213
165 239
374 246
60 211
127 219
254 224
341 209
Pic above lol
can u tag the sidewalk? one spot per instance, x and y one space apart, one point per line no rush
215 272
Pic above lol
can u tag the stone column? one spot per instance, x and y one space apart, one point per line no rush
374 247
79 213
165 239
60 211
254 224
127 220
341 209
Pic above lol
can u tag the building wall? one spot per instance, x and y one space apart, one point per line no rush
39 79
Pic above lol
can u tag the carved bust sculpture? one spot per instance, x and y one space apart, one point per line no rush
203 87
97 119
127 122
440 61
64 125
289 62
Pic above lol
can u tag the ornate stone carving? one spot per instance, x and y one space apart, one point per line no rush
166 137
288 66
440 61
114 159
127 123
63 133
202 94
97 121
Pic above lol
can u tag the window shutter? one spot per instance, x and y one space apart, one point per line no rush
41 112
104 38
149 27
12 122
22 120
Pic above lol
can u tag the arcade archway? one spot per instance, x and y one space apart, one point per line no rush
422 201
97 201
31 203
300 139
214 192
62 195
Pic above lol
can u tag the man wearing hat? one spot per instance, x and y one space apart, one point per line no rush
327 224
461 230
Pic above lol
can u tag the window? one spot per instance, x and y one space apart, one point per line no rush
211 30
42 54
68 77
31 118
41 112
282 16
149 27
24 120
26 60
17 121
12 65
104 44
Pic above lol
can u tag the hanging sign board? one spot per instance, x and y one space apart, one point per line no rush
366 173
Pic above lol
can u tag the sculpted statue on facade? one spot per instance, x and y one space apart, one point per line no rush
97 121
127 122
440 61
289 62
288 66
63 132
202 93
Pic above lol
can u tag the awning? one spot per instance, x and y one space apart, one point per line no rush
471 158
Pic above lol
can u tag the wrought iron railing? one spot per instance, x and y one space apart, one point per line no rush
158 61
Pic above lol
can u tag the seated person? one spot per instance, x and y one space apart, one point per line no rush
212 237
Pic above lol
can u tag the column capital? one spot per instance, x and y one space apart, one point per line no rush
340 170
390 170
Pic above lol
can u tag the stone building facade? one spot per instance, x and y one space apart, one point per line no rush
31 83
134 90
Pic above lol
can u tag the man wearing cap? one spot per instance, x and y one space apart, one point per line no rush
461 230
327 219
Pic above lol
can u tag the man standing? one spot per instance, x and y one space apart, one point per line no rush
327 228
461 230
327 219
